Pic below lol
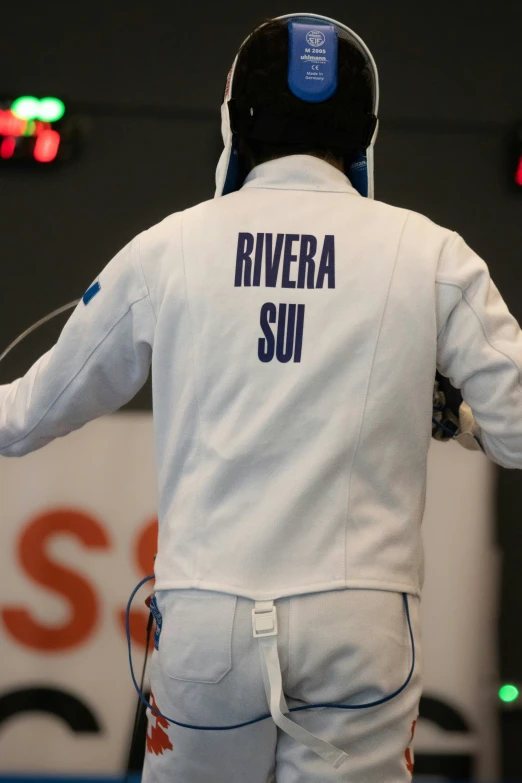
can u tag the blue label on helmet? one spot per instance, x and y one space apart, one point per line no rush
312 65
358 174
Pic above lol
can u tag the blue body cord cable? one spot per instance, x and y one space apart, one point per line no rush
261 717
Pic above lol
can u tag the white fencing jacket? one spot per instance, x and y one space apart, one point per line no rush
293 329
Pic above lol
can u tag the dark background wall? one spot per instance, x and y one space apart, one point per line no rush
149 78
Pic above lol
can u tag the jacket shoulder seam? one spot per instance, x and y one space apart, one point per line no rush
452 283
494 347
140 266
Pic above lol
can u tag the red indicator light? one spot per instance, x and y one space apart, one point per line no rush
46 146
518 175
11 125
7 147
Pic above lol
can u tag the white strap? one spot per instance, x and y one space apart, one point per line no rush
271 669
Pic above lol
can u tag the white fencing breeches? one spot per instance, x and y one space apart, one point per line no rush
344 646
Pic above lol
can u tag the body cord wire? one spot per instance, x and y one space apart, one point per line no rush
159 714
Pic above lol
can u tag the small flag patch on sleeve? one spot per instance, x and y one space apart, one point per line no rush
91 293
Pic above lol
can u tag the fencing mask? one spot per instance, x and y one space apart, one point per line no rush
312 77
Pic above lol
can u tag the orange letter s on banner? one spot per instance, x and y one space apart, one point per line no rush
68 584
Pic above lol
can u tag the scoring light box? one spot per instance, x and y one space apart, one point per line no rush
35 131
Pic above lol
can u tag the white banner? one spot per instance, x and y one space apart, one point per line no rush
459 606
77 532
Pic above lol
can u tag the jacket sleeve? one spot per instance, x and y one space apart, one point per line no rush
101 359
479 348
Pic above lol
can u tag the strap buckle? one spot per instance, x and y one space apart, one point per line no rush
264 621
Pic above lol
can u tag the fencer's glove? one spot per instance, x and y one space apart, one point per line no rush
469 435
452 417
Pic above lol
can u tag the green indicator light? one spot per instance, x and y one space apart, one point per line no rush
50 110
508 693
26 108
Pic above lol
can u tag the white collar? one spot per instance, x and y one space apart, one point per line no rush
299 172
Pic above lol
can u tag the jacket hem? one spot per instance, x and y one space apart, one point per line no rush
285 592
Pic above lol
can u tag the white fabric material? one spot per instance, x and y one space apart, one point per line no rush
345 646
273 682
280 479
226 133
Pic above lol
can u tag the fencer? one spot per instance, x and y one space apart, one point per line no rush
294 326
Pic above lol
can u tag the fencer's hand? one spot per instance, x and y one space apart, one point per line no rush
469 433
454 416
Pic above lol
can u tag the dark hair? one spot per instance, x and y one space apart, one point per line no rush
261 72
